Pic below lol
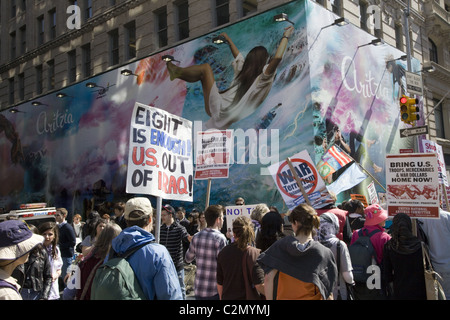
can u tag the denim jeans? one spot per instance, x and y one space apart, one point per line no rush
181 279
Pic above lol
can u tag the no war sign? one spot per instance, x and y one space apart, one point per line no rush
302 167
160 154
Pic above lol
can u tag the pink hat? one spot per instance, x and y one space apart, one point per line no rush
375 214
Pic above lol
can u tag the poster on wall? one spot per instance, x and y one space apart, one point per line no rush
412 185
327 88
160 158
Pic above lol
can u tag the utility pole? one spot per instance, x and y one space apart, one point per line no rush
408 44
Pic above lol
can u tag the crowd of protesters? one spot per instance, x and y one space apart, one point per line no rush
302 254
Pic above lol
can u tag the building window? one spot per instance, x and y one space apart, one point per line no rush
183 20
12 38
222 12
11 90
23 40
439 120
399 36
114 47
21 86
40 30
433 51
72 65
23 5
161 26
363 15
51 74
336 6
39 77
13 8
86 59
249 7
52 21
130 40
87 10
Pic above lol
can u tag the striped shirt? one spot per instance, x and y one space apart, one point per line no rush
172 238
204 248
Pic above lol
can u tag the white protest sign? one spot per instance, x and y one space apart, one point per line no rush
232 212
433 147
213 149
312 182
412 185
160 154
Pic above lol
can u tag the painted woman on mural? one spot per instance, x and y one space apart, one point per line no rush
253 79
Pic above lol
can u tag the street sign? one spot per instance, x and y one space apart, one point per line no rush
413 83
413 131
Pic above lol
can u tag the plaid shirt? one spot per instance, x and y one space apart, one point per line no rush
204 248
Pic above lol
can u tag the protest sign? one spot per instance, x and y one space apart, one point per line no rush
412 185
213 149
304 169
232 212
160 155
433 147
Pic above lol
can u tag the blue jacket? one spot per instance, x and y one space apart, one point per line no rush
152 264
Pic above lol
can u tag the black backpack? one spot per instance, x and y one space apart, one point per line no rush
362 253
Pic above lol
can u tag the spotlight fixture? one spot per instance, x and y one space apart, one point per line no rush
37 103
168 58
91 85
219 40
127 72
282 17
377 42
61 95
340 22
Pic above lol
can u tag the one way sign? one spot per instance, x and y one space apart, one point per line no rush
414 131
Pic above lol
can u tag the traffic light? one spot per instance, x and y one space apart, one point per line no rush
409 109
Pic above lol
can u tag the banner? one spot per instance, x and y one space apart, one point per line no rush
412 185
160 158
213 154
312 183
433 147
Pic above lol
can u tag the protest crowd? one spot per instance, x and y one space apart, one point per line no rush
340 252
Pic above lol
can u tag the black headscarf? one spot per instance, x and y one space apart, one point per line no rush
403 241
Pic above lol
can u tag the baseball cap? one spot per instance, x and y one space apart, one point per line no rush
169 209
138 204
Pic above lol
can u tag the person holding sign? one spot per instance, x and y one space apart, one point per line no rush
252 82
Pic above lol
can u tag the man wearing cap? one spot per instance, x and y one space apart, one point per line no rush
152 263
16 242
172 235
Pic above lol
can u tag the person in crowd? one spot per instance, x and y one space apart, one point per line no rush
355 216
403 262
329 227
119 218
239 201
106 217
67 239
438 235
257 214
172 235
88 242
204 248
16 243
95 258
271 230
344 229
36 274
375 221
90 224
181 217
152 263
240 281
297 267
201 221
50 232
194 223
77 226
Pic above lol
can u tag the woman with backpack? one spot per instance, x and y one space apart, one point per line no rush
373 232
297 267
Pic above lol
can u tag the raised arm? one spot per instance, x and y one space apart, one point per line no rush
273 64
233 48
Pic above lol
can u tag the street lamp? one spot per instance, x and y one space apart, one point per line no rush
338 22
282 17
